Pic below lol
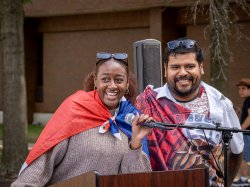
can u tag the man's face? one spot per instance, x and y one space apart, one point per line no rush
244 91
184 76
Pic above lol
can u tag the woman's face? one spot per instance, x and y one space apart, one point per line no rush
111 83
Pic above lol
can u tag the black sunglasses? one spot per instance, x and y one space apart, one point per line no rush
118 56
187 43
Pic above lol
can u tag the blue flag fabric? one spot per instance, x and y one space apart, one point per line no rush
125 108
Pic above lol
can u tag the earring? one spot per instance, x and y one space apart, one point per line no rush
94 87
127 91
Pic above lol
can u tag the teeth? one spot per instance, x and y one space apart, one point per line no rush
111 93
183 80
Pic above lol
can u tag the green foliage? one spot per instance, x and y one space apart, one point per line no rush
33 132
26 1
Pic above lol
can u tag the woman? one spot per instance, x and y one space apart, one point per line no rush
88 132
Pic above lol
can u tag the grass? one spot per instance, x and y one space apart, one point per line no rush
33 132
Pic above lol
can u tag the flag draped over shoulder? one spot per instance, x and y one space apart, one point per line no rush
163 144
178 148
80 112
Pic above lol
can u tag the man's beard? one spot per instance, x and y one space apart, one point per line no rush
173 88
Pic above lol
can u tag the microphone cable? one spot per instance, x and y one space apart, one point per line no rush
217 164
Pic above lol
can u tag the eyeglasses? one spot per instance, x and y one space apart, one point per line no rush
187 43
118 56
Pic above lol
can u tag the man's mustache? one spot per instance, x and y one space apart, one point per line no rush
189 78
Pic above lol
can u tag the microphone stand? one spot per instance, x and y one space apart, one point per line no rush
226 136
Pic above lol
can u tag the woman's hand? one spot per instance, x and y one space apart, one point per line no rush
139 131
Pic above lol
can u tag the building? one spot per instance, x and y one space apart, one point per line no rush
62 38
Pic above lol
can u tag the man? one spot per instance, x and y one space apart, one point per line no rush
184 100
244 92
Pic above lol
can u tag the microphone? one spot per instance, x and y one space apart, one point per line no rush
166 126
130 117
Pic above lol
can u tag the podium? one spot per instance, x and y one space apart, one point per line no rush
197 177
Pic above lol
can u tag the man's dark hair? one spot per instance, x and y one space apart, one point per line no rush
183 49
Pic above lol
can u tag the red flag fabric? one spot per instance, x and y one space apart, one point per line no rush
79 112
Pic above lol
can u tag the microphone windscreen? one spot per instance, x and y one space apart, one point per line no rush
129 118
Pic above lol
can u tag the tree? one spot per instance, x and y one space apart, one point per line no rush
15 147
222 22
220 53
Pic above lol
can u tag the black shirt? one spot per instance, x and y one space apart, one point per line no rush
245 108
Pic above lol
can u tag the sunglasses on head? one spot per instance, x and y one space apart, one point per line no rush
187 43
117 56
